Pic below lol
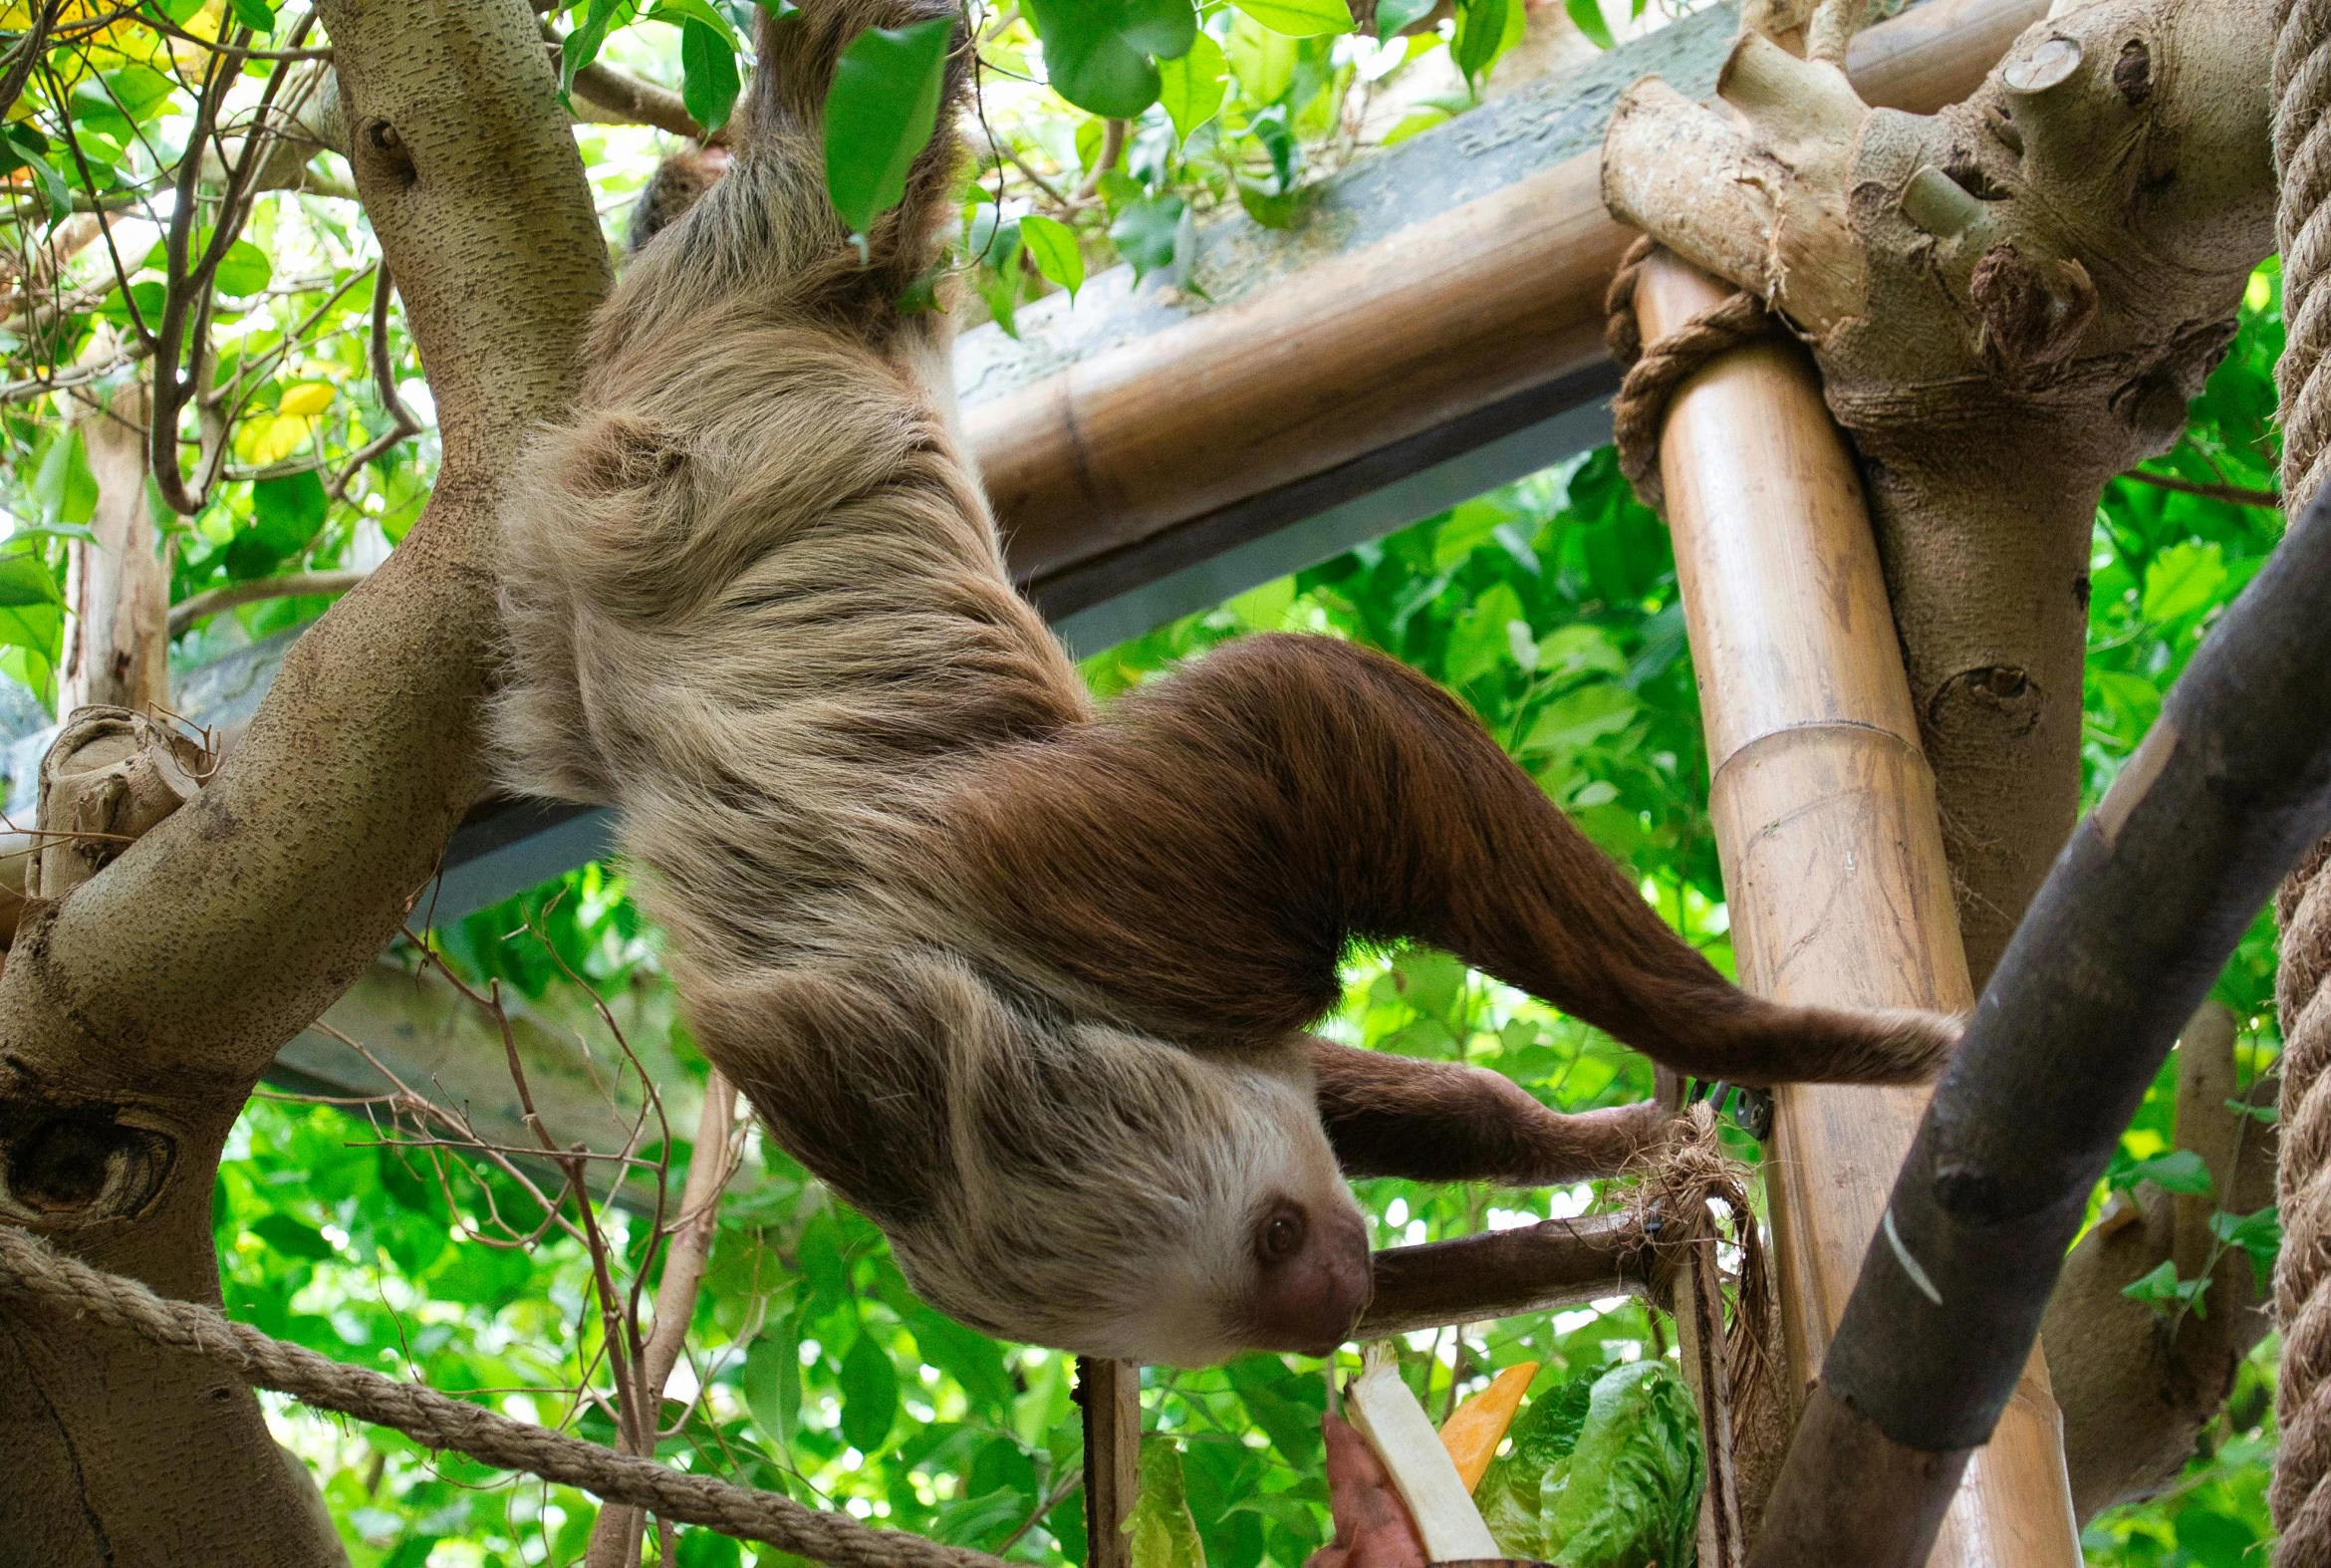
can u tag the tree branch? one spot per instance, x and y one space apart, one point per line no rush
216 600
2229 788
140 1009
626 100
1499 1273
2230 494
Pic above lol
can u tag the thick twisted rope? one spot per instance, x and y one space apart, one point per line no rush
34 1274
2302 1497
1654 374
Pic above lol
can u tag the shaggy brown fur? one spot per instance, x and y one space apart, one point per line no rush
678 182
1024 983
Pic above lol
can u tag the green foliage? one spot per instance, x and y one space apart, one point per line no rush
1604 1471
880 116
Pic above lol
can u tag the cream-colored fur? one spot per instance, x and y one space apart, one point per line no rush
755 601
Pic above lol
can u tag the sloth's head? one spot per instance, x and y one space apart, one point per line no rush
1122 1196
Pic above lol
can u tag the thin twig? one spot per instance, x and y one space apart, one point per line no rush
296 585
2230 494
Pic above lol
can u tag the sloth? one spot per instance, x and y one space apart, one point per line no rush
678 182
1027 981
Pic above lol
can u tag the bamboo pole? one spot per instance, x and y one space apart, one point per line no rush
1824 813
1364 349
1109 1395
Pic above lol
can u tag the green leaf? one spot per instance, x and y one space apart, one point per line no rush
289 510
1300 18
2258 1234
244 269
770 1380
1101 55
1280 211
1485 29
584 40
1481 645
1420 119
679 12
257 15
710 1549
1263 61
1631 1495
1394 17
879 114
1587 15
64 488
1149 232
966 1520
22 147
708 81
1053 244
1285 1406
1164 1533
1192 87
2184 579
293 1239
25 579
2181 1172
1578 720
2162 1287
869 1394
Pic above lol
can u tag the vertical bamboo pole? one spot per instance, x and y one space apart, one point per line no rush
1110 1393
1824 812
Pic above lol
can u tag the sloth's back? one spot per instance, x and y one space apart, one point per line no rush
755 601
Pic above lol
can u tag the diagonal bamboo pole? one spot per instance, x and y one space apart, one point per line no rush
1833 861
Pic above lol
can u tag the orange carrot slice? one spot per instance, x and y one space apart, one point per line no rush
1475 1427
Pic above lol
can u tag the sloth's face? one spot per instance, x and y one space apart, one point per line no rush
1214 1223
1282 1265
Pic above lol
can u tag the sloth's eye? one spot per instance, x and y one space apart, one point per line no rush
1282 1235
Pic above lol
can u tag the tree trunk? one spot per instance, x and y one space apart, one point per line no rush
116 642
2011 301
136 1013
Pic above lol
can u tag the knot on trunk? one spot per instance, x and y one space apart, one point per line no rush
108 779
2033 311
1994 704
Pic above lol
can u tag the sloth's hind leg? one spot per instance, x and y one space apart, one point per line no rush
1204 857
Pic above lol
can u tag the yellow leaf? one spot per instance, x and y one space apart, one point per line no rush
1476 1429
308 397
269 438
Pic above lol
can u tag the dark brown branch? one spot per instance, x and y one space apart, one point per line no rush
1501 1274
2130 929
2230 494
635 102
27 53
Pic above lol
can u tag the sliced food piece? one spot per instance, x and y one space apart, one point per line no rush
1400 1432
1476 1429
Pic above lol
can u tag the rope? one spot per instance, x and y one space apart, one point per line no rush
1679 1182
2299 1497
32 1273
1653 376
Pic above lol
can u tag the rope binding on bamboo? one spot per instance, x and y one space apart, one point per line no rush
1656 371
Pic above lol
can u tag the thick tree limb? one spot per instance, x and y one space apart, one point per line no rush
136 1013
1531 1268
2137 1387
2011 301
2231 787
